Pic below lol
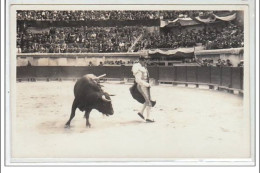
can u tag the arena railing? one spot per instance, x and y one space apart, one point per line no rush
223 78
227 78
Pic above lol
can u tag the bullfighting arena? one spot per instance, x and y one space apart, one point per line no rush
190 123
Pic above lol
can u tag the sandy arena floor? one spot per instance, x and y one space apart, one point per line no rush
190 123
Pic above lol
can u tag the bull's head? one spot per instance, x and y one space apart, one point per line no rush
105 104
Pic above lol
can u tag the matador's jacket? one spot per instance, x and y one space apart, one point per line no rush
141 78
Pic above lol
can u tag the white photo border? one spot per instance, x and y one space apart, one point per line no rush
212 162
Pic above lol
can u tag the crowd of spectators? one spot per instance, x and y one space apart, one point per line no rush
76 40
230 36
219 63
80 15
184 14
169 40
188 61
120 39
119 62
111 62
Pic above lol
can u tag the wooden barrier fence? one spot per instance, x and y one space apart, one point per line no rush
229 78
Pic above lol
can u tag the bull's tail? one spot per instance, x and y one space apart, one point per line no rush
72 115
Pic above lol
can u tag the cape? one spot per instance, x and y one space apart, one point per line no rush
137 95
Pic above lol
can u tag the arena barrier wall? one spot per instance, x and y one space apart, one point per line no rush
229 78
223 77
72 59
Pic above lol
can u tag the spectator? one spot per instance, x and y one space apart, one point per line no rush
90 63
100 63
241 64
29 64
223 63
229 64
219 63
19 49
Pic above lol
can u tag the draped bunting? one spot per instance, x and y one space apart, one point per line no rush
226 18
185 52
164 23
187 21
178 21
207 20
172 52
194 21
215 17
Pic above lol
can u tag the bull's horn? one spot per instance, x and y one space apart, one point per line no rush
103 75
105 99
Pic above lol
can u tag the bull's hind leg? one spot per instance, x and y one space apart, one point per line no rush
87 112
72 115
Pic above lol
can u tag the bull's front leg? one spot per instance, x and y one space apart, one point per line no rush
87 112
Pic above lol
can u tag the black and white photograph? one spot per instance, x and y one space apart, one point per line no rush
139 83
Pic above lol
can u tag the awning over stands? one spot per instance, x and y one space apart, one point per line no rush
196 20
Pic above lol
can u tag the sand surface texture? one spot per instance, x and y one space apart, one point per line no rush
190 123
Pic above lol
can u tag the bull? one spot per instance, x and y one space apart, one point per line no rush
89 95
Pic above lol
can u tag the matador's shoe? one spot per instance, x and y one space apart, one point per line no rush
153 103
140 115
149 121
